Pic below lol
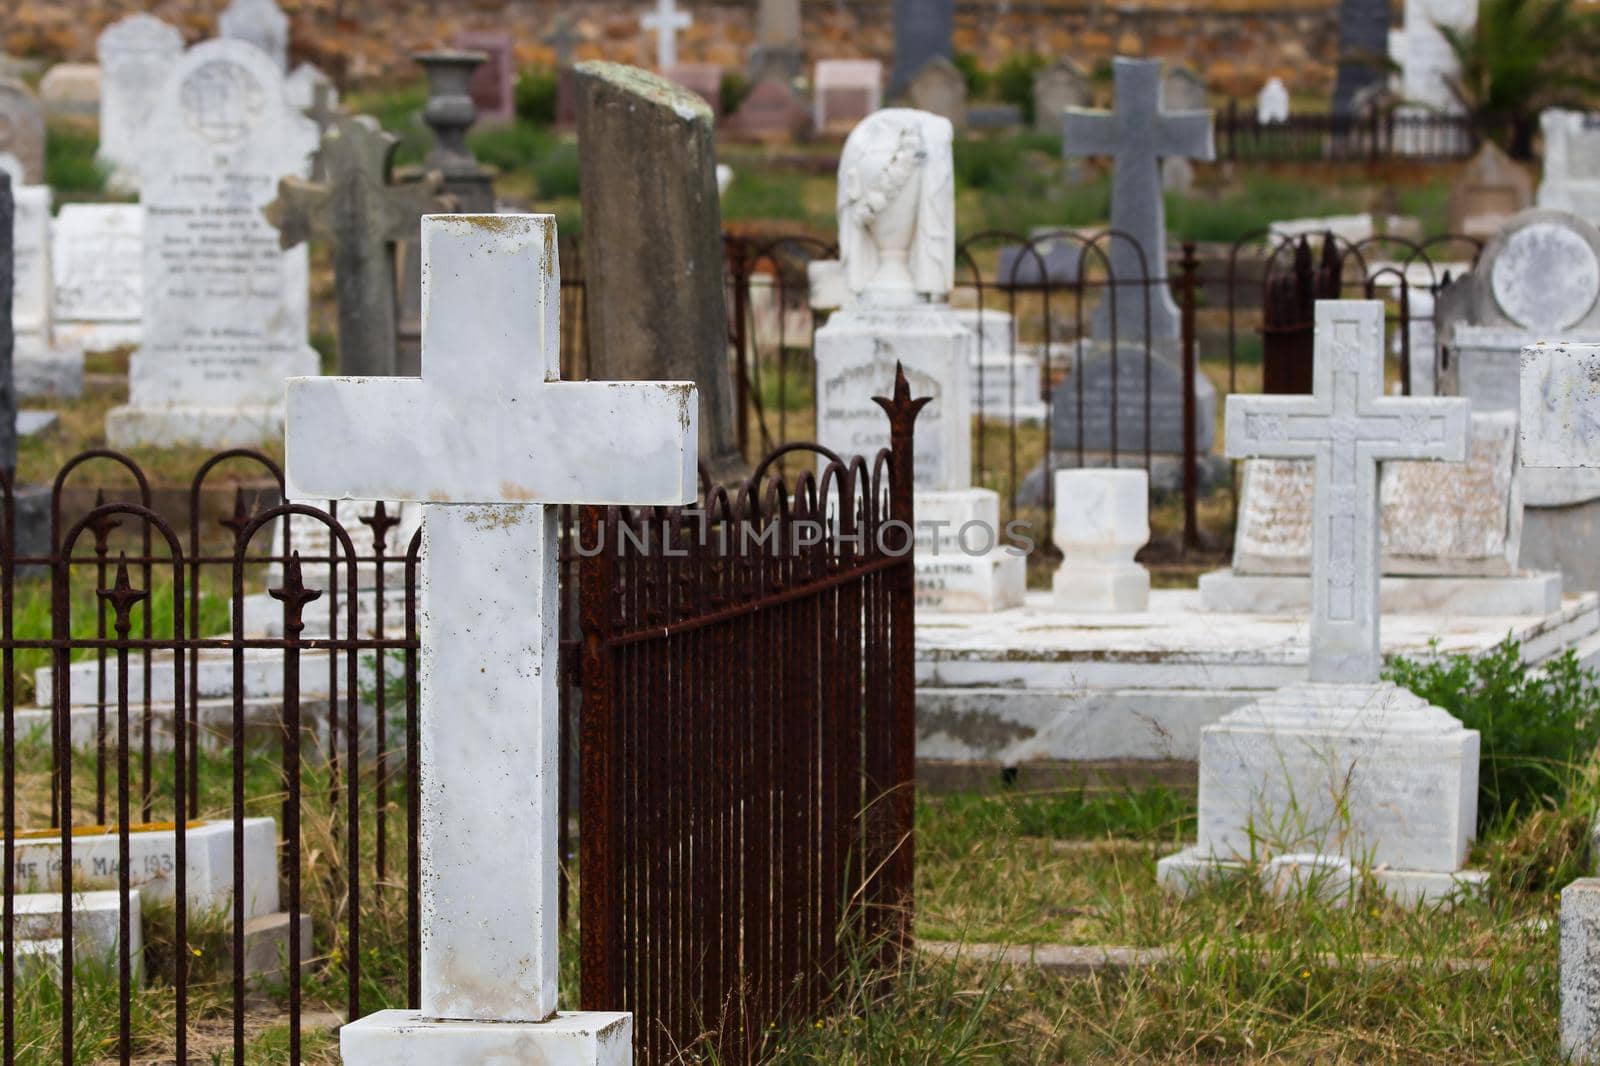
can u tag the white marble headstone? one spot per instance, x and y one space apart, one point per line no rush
225 310
136 55
258 22
97 263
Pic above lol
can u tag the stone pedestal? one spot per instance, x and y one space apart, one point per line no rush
856 354
1364 772
1102 519
963 561
1580 970
406 1038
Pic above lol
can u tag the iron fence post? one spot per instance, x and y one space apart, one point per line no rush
1191 472
598 904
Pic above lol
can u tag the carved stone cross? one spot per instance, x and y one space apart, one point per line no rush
1137 135
485 440
363 216
1347 426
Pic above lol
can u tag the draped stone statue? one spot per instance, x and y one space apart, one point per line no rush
897 208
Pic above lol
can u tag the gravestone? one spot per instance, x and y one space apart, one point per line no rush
225 311
1571 162
1184 90
136 54
562 38
489 703
1102 519
1272 103
21 134
1487 193
1045 261
896 209
258 22
1345 767
665 22
778 53
643 224
772 112
922 30
303 86
41 366
1060 86
365 218
847 91
939 89
493 84
71 90
702 79
1363 51
450 113
1428 69
97 261
1113 380
1138 134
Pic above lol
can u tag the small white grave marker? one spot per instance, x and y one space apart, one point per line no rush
484 440
666 20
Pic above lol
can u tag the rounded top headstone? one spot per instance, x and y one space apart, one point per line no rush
1543 271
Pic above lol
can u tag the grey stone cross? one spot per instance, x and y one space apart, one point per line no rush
364 216
1347 427
1137 135
562 39
323 111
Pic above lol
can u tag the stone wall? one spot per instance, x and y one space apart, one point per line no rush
1235 44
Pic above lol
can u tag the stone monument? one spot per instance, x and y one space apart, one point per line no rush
21 133
778 52
896 198
1490 190
258 22
652 244
1344 770
847 91
487 440
365 218
665 22
41 366
493 85
1102 520
1272 103
1363 51
922 30
225 311
136 54
1056 89
1571 163
939 88
97 261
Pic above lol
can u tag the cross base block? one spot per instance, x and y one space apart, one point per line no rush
1186 871
406 1038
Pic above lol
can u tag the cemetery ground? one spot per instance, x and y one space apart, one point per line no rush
1232 972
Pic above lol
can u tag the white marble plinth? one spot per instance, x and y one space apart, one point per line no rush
152 858
202 427
406 1038
1186 871
1102 520
1580 970
96 928
1528 593
1364 772
965 562
1117 588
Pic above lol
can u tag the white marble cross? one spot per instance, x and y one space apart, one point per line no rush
1137 135
666 20
1347 426
484 440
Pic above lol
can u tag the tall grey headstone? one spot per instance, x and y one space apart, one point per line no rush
1138 134
1061 85
1363 48
21 133
922 31
646 224
136 54
225 311
258 22
778 52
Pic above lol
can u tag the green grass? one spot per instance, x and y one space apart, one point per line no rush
70 166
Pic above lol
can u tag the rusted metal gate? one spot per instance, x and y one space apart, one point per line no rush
747 746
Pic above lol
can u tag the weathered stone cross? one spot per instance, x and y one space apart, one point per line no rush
1137 135
666 20
364 216
485 440
1347 426
562 38
323 111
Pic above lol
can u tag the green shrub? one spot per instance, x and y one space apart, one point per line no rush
1536 727
555 171
977 77
734 88
1013 81
535 96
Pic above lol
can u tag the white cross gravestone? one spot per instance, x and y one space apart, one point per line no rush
666 20
485 440
1346 426
1138 134
1345 768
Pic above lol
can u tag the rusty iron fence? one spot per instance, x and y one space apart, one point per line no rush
747 734
225 763
1031 301
1382 134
